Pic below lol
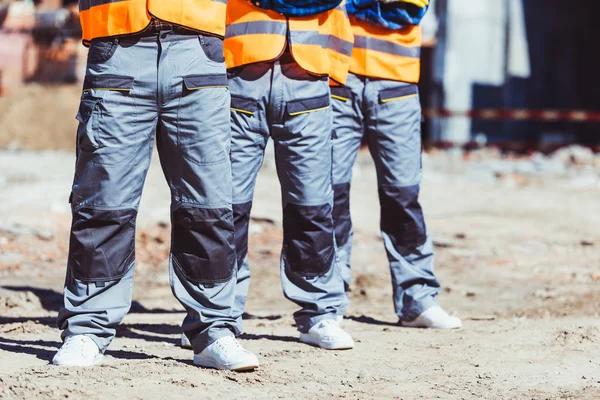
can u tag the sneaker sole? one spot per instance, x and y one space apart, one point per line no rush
209 363
96 361
307 339
444 328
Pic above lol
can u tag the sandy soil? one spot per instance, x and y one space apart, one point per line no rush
517 253
40 117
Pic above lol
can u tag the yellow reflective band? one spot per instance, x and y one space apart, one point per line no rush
207 87
242 111
398 98
418 3
339 97
309 111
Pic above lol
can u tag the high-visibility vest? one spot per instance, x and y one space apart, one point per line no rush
321 44
384 53
106 18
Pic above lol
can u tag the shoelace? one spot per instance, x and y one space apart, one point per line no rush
231 342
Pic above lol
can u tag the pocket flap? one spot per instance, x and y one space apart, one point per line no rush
397 93
108 82
243 104
195 82
86 107
308 105
341 93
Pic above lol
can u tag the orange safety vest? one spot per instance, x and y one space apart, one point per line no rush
321 44
106 18
385 53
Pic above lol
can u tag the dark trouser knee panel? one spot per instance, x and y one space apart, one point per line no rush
402 216
341 213
203 249
308 237
102 244
241 220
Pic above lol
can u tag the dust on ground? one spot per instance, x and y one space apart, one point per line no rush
40 117
518 255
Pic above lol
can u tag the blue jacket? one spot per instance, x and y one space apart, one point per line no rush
297 8
392 15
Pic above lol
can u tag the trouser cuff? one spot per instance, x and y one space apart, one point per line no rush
205 339
306 322
416 308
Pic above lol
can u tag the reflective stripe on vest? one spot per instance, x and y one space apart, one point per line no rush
320 44
106 18
384 53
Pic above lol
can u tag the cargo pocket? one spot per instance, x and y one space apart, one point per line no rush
243 105
203 123
88 126
118 83
197 82
102 244
303 106
341 93
93 132
400 93
203 248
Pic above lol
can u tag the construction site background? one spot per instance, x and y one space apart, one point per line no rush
39 42
510 73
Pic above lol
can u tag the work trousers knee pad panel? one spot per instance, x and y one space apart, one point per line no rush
203 248
402 217
241 219
308 237
102 244
341 213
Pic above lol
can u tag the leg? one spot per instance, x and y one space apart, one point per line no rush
302 135
248 86
393 131
347 135
194 141
114 146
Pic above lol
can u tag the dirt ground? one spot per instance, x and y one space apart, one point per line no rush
39 117
518 255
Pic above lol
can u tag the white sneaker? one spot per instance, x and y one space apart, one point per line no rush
327 334
226 353
185 342
434 318
78 351
339 318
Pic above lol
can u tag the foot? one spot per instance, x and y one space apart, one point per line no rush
327 334
226 353
434 318
185 342
78 351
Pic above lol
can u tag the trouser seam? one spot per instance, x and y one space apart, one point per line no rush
104 208
181 270
109 278
180 204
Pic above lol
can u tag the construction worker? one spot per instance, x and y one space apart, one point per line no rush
279 66
155 69
380 103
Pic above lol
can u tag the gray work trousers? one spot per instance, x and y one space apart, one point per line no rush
173 87
388 114
282 101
